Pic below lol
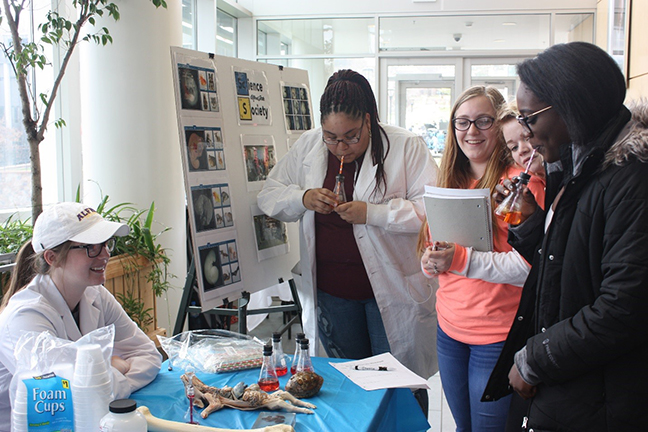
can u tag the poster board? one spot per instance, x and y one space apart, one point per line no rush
236 119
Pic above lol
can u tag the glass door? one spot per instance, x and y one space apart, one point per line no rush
417 94
424 108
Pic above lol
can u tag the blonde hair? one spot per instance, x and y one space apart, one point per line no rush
455 171
508 112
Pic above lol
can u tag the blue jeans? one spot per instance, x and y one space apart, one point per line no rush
351 329
464 373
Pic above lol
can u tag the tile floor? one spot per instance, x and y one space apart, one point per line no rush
439 415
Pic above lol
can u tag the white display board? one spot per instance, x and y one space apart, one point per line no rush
236 119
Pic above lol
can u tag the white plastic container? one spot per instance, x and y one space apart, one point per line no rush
123 417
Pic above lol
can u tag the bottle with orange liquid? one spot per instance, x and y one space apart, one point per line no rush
509 210
281 367
304 364
268 380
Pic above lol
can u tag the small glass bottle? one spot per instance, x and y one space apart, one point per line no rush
339 189
268 380
295 359
123 417
509 209
304 364
281 367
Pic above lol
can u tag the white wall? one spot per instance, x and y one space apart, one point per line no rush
130 137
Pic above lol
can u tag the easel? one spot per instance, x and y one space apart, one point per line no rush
242 312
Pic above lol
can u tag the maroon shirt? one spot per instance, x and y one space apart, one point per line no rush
340 270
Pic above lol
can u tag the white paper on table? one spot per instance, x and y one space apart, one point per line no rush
397 375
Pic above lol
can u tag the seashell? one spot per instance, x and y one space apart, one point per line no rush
238 390
304 384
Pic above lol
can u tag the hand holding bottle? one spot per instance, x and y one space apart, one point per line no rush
510 208
527 201
320 200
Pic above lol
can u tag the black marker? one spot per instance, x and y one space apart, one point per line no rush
371 368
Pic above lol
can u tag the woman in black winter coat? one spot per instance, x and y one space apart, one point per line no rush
578 348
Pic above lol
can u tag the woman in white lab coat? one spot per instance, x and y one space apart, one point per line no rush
63 269
362 290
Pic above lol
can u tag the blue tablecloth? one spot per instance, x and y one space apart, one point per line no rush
341 405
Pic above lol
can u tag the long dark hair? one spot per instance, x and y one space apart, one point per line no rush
349 92
582 83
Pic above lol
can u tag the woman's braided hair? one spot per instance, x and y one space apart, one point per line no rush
349 92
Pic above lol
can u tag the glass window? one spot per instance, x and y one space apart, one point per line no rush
574 27
467 32
420 99
318 36
501 76
226 34
262 42
188 35
15 168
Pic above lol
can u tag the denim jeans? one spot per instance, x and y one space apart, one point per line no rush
351 329
464 373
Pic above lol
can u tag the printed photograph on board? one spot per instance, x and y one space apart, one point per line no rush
211 267
198 89
196 146
203 208
270 234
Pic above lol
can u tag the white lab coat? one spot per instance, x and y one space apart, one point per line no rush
387 242
41 307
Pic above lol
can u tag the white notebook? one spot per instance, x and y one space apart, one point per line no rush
461 216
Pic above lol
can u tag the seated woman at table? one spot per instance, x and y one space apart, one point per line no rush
56 287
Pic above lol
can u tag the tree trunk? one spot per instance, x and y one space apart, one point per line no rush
37 187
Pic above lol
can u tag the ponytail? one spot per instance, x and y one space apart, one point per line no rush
28 265
22 273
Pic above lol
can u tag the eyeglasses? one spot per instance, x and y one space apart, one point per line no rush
347 141
482 123
93 250
524 120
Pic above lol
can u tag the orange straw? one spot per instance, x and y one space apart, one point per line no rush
341 164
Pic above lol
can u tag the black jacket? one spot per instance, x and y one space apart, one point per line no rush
583 314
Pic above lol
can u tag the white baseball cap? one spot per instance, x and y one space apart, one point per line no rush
71 221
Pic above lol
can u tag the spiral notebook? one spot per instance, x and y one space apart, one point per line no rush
461 216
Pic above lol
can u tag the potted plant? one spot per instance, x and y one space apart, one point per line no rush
138 270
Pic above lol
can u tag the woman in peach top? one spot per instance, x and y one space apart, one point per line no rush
478 291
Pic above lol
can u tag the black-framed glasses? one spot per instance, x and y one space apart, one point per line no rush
347 141
481 123
524 120
93 250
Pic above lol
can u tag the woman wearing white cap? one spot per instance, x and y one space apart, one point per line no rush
56 286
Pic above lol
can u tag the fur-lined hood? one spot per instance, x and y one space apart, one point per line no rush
633 142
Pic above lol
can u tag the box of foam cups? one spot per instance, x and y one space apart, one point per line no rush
70 398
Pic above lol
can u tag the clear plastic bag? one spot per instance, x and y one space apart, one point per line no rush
40 354
212 351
